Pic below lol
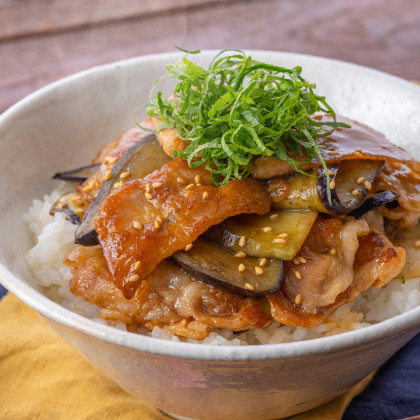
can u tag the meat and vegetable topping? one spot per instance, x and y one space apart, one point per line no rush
249 203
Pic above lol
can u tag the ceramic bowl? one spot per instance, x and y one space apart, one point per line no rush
56 126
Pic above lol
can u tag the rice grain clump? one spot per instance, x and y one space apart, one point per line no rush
54 239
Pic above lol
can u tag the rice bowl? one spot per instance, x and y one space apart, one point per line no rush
204 371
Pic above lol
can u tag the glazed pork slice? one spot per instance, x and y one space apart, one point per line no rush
357 142
147 220
347 259
168 297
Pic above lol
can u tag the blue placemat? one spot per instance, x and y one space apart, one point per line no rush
3 291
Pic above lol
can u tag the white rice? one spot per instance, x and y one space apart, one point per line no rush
54 236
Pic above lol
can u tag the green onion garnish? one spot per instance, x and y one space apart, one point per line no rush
239 109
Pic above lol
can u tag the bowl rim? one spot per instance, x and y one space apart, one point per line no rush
205 352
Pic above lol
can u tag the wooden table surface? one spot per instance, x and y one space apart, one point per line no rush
44 40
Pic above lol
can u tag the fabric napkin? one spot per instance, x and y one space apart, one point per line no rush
42 377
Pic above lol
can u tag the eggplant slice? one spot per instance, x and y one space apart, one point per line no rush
217 266
278 234
77 175
139 160
66 205
350 182
374 202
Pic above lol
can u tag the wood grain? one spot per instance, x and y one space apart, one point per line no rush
383 34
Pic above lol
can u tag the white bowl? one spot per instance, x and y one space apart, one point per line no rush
64 124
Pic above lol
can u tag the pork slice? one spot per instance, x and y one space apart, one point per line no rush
170 216
168 297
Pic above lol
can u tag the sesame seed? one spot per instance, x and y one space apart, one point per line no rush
148 187
332 184
157 184
107 158
333 251
180 180
134 277
298 298
249 286
125 175
148 195
87 188
156 224
283 235
274 216
137 265
108 175
188 247
296 261
137 225
358 154
368 185
240 255
259 270
417 243
360 180
263 262
183 322
198 185
267 229
205 194
117 185
79 212
241 267
355 192
302 259
113 160
298 275
280 241
242 241
197 179
330 173
358 150
333 152
188 187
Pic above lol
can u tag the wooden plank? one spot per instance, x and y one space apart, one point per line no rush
20 18
380 34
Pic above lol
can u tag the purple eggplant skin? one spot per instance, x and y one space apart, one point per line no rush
68 213
77 175
337 206
214 265
374 202
140 159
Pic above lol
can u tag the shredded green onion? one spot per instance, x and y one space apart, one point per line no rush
239 109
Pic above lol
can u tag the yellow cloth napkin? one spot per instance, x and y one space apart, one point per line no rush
42 377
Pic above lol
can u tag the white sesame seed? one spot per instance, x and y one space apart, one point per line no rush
368 185
137 225
197 179
259 270
274 216
148 195
263 262
134 277
332 184
333 152
360 180
298 275
298 298
157 184
279 241
188 187
296 261
240 255
156 224
333 251
249 286
137 265
267 229
283 235
241 267
355 192
108 175
188 247
113 160
302 259
242 241
125 175
205 194
180 180
148 187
